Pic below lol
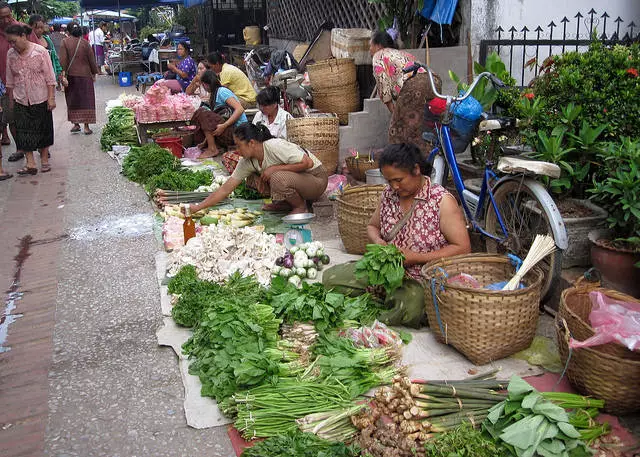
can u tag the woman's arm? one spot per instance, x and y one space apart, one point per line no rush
237 112
299 167
373 229
193 86
223 192
454 228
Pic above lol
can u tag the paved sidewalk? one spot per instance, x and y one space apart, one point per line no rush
81 373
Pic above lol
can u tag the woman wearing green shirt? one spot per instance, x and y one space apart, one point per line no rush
36 22
287 172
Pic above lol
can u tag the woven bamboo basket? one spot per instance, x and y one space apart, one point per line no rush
341 100
484 325
601 375
330 73
355 207
575 307
359 166
320 135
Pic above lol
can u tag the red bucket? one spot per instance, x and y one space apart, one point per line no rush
173 144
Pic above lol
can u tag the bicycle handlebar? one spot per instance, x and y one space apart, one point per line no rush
490 76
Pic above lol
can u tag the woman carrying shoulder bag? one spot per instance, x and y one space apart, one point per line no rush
79 70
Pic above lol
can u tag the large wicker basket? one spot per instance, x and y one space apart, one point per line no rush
320 135
342 100
358 167
604 376
575 307
355 208
331 73
484 325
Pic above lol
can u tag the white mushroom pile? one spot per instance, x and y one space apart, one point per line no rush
221 250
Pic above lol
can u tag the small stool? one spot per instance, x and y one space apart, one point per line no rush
145 80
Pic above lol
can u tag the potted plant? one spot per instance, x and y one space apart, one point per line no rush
616 251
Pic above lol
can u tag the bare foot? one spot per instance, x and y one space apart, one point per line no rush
208 154
298 211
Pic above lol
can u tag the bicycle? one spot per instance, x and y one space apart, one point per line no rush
515 206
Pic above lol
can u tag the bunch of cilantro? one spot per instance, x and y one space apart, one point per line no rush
147 161
299 444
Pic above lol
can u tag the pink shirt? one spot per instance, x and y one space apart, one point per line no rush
4 49
29 74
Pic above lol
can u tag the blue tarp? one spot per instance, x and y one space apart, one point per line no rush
439 11
122 4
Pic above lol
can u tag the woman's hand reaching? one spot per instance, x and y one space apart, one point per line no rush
219 130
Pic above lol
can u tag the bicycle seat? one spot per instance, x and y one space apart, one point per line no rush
493 122
286 74
513 165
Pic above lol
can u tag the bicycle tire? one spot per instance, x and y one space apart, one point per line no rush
507 195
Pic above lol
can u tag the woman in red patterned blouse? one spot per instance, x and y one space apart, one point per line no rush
434 228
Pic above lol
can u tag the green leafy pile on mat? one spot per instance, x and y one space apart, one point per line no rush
464 441
382 266
245 192
532 423
179 180
146 161
120 129
313 303
296 443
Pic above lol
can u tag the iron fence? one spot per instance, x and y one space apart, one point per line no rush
523 50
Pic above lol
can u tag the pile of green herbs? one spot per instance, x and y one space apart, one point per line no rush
120 129
464 441
179 180
527 423
245 192
299 444
231 329
314 303
382 266
144 162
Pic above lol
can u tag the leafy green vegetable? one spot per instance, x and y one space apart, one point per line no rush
296 443
184 180
146 161
119 129
245 192
382 266
464 441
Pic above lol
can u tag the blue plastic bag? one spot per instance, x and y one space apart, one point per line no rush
439 11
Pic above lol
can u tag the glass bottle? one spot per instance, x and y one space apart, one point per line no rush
189 226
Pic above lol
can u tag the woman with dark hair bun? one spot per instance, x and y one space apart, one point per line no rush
421 218
287 172
271 114
404 95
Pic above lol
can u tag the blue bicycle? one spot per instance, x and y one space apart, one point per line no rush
507 211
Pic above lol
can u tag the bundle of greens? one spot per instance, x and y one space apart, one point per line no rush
334 425
382 266
358 369
120 129
178 180
196 296
299 444
233 328
464 441
146 161
529 424
312 302
269 410
245 192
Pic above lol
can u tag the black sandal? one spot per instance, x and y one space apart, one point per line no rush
5 177
28 171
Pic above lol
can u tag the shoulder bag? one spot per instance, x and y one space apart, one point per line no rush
63 80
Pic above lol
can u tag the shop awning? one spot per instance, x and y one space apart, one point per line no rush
113 4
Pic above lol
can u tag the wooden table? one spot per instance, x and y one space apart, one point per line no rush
142 128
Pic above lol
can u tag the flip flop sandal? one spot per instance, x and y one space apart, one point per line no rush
16 156
88 132
28 171
45 168
5 177
75 130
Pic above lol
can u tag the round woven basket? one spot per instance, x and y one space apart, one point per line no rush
603 376
484 325
330 73
575 307
355 208
341 100
358 167
320 135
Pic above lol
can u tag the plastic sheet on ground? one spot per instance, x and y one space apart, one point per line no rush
542 352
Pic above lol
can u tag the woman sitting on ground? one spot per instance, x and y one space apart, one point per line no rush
271 115
422 219
287 172
215 122
195 88
184 70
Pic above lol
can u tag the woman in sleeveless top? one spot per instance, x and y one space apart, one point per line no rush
434 228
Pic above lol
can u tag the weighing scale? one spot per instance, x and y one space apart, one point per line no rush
298 233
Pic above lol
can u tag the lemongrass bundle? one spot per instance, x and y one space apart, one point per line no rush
542 246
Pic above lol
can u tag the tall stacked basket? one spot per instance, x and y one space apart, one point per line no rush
319 135
335 88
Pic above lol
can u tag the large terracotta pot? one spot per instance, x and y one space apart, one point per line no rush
617 267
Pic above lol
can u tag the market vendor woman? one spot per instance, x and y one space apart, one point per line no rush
284 170
422 219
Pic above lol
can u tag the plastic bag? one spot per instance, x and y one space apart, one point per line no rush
335 185
612 320
192 152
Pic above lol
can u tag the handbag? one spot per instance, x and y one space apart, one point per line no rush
225 111
63 80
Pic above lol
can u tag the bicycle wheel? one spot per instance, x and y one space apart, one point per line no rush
524 217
